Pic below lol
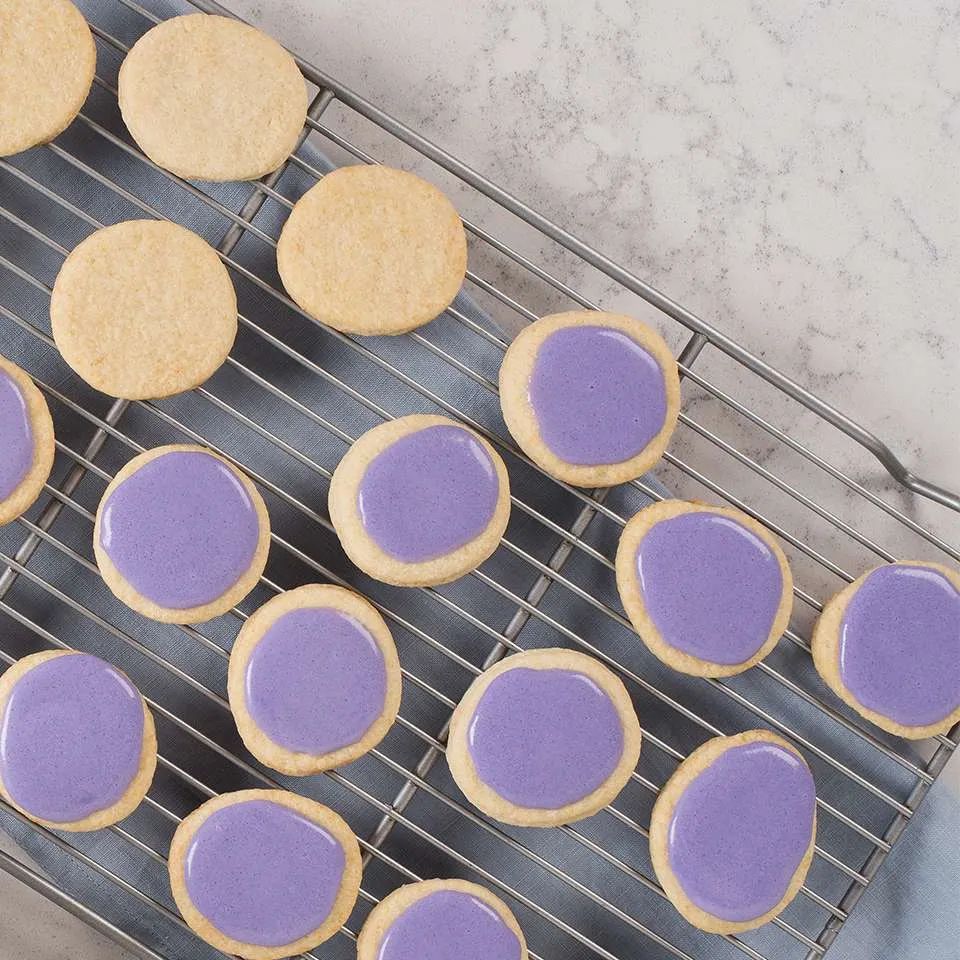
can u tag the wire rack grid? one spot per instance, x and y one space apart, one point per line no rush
290 398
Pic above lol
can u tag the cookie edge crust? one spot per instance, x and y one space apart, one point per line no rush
397 902
25 494
825 645
138 786
521 419
360 547
73 107
633 603
290 270
124 98
322 815
125 592
662 814
71 265
488 800
268 751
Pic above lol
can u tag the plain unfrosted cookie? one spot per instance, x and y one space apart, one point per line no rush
889 646
264 874
590 397
420 500
314 679
26 436
708 589
211 98
462 919
732 833
181 535
373 250
79 747
47 62
143 309
543 738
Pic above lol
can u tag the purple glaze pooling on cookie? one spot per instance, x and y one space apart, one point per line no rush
900 644
316 681
449 925
181 530
710 585
598 396
740 830
262 873
544 738
16 433
71 738
428 493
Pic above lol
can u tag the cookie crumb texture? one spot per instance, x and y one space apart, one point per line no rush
211 98
372 250
144 309
47 62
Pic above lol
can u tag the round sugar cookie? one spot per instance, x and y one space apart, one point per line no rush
464 919
263 874
26 437
79 748
592 398
143 309
543 738
46 68
708 589
419 501
732 833
314 680
889 646
181 535
211 98
373 251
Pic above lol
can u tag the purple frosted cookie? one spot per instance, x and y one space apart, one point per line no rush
543 738
181 535
732 832
419 501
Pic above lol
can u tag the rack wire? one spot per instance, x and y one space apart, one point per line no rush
290 398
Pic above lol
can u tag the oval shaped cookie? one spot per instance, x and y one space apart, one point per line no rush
26 436
373 250
143 309
889 646
46 70
708 589
590 397
181 535
732 832
441 918
79 749
264 873
543 738
420 500
314 680
211 98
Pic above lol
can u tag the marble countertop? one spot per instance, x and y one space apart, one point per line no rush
786 169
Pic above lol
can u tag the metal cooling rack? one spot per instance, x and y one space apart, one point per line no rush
289 399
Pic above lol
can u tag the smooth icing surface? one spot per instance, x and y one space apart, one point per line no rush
598 396
71 738
316 680
740 830
262 873
900 644
181 530
449 925
544 738
710 585
428 493
16 435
